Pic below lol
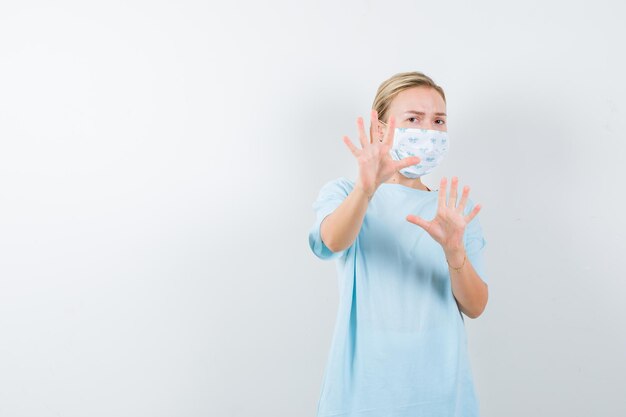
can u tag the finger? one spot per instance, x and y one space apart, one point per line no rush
373 126
391 127
463 201
405 162
442 193
418 221
473 214
355 151
453 192
362 136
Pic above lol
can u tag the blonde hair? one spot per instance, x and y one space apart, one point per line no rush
397 83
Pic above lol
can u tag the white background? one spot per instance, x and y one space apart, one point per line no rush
159 160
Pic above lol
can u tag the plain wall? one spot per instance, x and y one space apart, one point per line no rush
159 161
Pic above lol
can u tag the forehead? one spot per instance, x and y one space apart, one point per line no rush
424 99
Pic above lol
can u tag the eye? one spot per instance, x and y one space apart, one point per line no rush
411 119
443 122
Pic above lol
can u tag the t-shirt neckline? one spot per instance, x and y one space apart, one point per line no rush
408 188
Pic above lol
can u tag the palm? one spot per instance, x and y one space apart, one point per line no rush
449 224
375 163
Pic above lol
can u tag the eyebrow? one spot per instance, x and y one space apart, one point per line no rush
421 113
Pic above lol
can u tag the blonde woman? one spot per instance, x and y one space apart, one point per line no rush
399 346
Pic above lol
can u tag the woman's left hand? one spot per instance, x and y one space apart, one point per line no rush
448 226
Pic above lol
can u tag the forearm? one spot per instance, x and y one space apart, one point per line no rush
339 229
468 288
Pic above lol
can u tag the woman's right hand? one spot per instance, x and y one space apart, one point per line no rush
375 163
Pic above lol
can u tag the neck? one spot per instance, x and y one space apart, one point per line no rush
416 183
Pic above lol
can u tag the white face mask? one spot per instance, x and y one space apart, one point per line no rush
429 145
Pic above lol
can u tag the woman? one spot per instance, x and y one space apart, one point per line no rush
399 346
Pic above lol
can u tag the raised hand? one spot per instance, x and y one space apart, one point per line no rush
448 226
375 164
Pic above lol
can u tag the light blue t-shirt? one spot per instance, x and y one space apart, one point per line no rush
399 347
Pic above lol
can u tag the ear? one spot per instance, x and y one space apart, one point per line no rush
380 130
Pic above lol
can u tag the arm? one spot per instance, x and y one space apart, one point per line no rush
448 228
468 288
340 228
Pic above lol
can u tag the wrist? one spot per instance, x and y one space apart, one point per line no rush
456 257
363 192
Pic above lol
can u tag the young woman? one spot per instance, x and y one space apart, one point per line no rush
399 346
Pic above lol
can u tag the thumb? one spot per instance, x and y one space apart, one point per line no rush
412 218
408 161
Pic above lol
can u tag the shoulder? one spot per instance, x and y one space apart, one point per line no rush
341 185
332 193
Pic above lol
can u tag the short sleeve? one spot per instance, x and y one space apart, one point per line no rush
475 243
331 195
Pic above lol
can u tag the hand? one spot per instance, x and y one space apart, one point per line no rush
448 226
375 164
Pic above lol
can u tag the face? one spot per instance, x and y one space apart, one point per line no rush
417 107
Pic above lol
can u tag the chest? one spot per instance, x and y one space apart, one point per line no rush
387 236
